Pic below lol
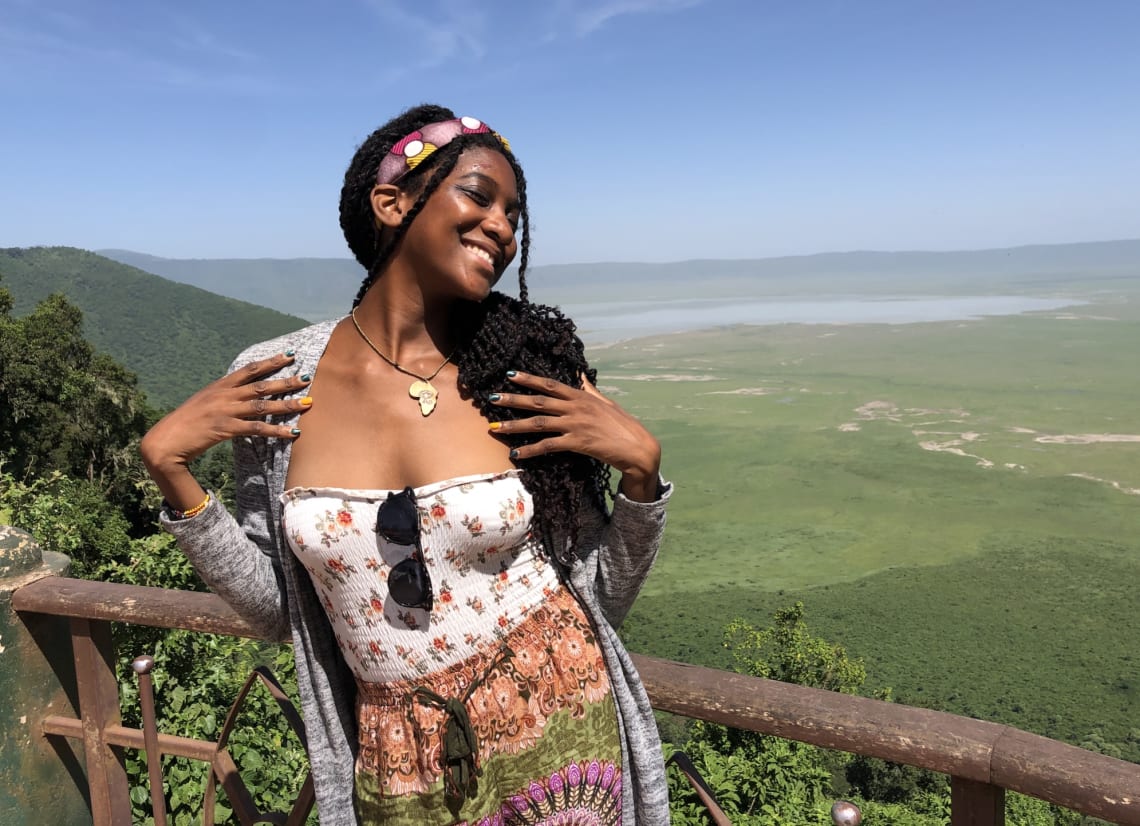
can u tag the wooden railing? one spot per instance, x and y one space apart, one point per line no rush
983 759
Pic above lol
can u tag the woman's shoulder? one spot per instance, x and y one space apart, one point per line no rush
307 345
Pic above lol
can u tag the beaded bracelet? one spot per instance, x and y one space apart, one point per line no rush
186 514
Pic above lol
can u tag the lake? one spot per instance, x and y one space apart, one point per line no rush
615 321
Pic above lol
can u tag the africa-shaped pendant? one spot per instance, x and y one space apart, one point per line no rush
425 394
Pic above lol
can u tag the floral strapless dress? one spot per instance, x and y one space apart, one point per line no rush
495 706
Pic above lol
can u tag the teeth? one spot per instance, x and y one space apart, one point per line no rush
482 253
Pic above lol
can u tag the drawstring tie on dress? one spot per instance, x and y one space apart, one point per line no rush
460 743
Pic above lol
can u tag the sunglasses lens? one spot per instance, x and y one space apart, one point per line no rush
409 584
398 520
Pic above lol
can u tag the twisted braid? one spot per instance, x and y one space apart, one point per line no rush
495 335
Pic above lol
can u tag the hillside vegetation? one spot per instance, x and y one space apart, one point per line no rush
176 338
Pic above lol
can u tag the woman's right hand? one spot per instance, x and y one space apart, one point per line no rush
234 405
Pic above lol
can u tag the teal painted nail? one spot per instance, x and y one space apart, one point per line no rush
494 397
288 352
296 431
514 454
512 373
307 377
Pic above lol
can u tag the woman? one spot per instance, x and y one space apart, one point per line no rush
437 542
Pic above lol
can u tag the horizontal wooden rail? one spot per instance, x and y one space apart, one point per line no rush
975 751
158 607
132 738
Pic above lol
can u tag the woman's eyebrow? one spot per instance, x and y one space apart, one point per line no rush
481 177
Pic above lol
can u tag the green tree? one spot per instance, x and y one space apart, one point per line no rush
760 779
65 408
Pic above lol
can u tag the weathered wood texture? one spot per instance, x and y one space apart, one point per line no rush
976 804
99 703
984 753
157 607
974 750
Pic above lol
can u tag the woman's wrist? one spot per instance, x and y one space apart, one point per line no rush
180 491
189 513
639 489
639 481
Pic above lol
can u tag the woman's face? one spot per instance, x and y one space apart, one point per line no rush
464 237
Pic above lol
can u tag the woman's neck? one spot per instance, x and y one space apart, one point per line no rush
399 320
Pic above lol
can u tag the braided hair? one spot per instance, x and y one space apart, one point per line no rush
495 335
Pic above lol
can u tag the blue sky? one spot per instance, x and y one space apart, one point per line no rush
650 130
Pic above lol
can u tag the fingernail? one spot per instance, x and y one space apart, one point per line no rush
494 397
296 431
306 401
512 373
494 425
514 454
307 377
289 353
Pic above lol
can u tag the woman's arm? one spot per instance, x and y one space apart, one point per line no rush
237 558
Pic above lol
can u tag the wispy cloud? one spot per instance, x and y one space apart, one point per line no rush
169 50
191 37
445 31
586 17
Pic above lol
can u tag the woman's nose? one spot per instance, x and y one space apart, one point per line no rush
497 224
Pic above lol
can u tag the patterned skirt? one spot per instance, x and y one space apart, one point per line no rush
525 732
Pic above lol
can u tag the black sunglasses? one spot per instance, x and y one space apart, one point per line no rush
398 521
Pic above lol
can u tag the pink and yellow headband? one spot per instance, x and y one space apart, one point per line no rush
414 148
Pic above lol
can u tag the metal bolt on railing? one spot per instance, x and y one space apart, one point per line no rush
143 666
845 813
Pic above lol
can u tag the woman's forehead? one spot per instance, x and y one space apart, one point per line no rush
485 164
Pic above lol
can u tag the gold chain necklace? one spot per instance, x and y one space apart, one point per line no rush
421 390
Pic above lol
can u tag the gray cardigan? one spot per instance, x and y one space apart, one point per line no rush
246 561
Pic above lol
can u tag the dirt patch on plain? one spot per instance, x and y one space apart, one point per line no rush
1087 439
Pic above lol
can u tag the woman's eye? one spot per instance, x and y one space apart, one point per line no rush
478 197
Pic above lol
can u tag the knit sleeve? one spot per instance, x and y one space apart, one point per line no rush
616 556
237 556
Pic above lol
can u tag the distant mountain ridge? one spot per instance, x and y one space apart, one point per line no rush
175 337
310 288
319 288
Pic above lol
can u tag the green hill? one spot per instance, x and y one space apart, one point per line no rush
176 338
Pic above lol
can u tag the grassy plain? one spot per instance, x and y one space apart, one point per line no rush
908 484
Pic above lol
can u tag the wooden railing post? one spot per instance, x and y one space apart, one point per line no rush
41 778
99 708
976 804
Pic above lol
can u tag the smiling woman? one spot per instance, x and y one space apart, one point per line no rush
450 568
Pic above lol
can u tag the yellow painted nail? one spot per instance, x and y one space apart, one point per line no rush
495 425
307 400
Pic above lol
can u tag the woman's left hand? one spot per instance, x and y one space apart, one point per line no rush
583 421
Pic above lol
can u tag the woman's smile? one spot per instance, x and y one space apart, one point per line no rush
480 253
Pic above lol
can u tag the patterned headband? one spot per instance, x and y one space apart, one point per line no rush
413 149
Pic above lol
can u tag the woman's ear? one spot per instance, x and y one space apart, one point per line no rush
387 205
